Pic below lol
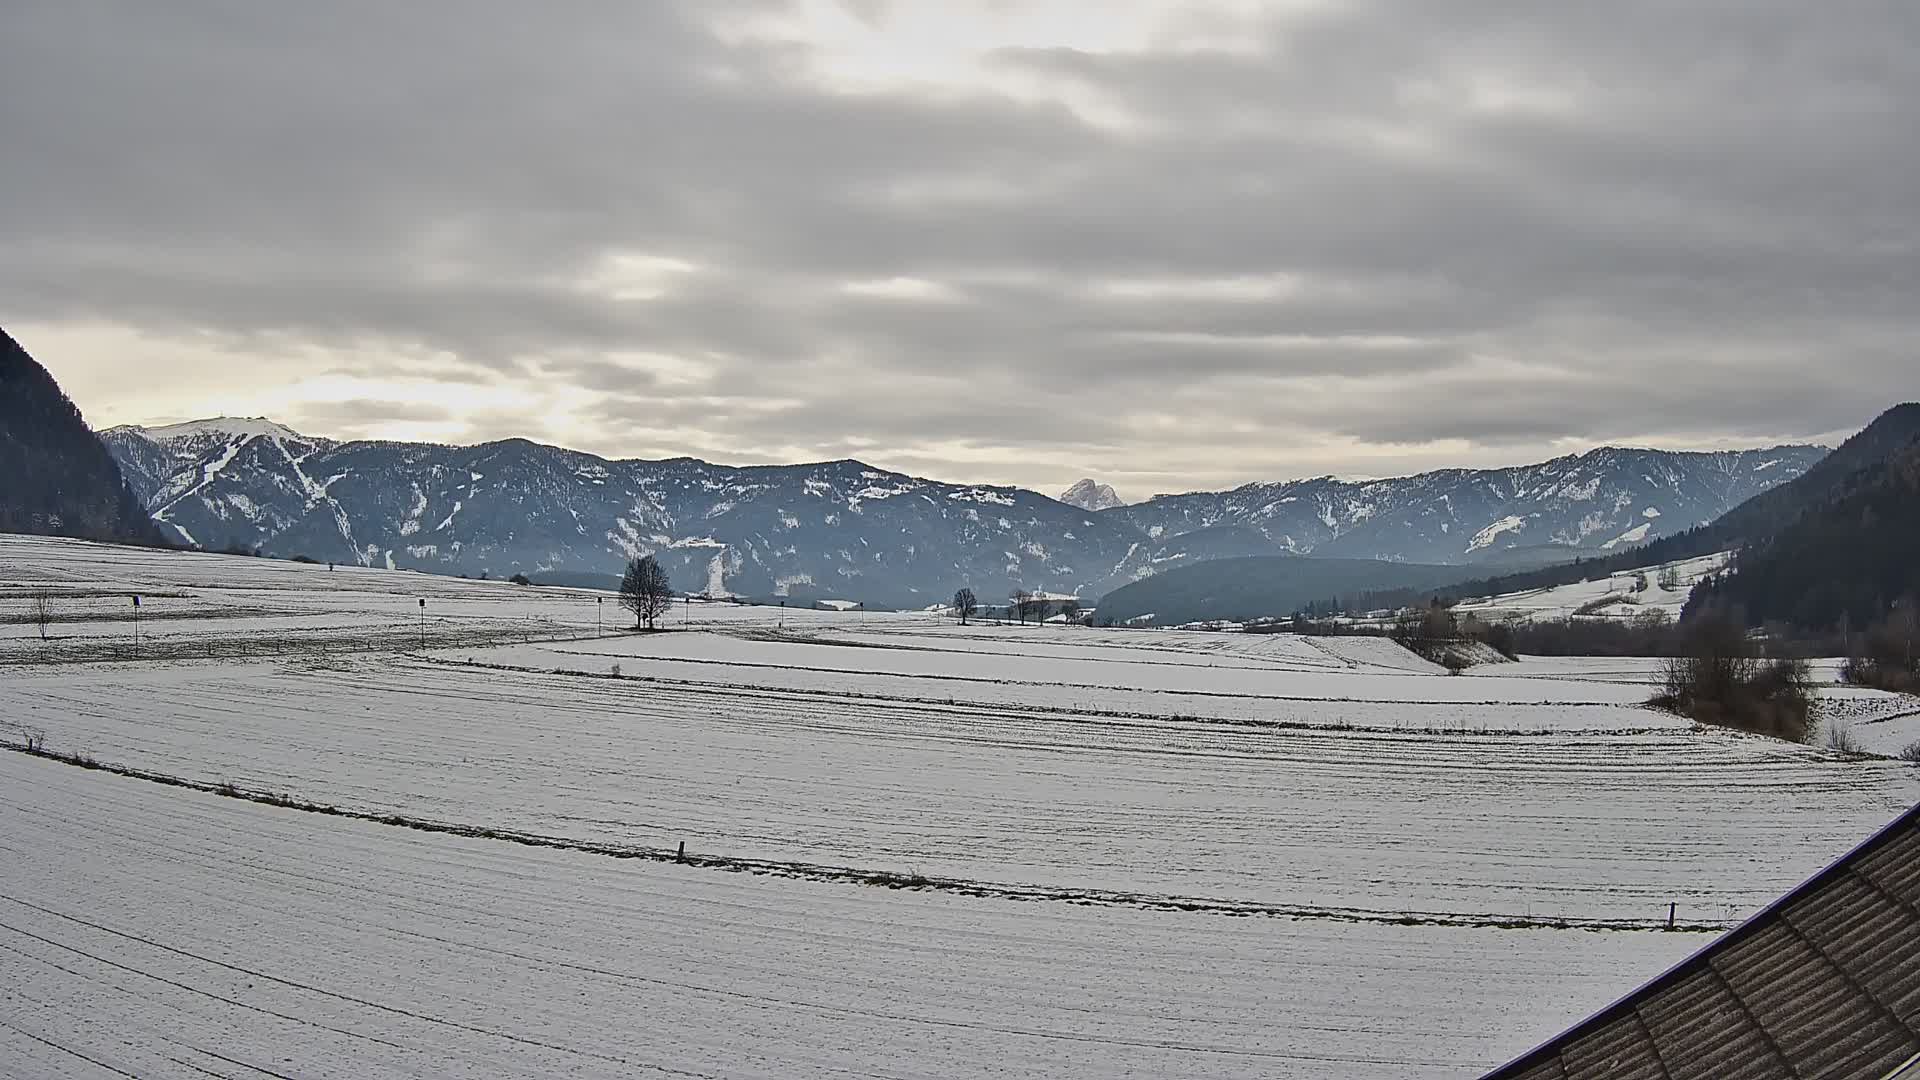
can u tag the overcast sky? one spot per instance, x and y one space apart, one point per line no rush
1172 246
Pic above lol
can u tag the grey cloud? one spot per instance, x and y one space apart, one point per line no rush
1568 222
358 415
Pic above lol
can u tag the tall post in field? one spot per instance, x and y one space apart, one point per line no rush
423 623
599 605
136 624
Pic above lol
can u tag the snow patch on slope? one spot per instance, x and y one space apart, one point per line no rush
1485 537
1631 536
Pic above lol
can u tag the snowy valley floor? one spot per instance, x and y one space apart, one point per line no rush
1125 853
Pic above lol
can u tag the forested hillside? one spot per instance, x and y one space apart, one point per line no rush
1848 562
56 478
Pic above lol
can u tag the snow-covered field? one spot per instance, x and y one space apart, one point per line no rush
162 933
1148 853
1877 721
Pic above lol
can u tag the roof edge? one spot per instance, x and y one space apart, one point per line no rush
1747 928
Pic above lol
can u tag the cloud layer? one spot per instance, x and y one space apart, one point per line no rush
1172 246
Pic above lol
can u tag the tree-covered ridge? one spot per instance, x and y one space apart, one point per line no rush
1846 563
56 477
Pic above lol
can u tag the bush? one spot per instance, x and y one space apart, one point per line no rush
1720 679
520 579
1840 737
1886 656
1867 671
1649 633
1600 603
1911 752
1426 631
1500 636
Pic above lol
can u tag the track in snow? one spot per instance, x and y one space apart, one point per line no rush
179 931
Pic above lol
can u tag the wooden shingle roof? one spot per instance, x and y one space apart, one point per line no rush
1823 983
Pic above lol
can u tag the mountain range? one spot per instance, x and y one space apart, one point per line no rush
846 529
1829 545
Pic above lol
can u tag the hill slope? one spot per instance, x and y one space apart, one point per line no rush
56 478
1848 560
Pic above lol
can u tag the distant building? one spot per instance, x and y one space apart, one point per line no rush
1824 983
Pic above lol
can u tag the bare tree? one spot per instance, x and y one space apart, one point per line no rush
645 591
965 604
1021 601
41 612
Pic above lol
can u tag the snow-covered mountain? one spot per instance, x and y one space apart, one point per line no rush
830 529
1603 500
1088 495
845 529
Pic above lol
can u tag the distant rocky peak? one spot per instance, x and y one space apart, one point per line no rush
1088 495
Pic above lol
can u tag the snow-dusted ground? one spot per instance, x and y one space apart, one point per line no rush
164 933
1877 721
1406 842
1497 826
1591 598
1092 667
194 603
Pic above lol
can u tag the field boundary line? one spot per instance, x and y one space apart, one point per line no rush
1081 712
890 879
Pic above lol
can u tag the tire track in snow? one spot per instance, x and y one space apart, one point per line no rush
292 984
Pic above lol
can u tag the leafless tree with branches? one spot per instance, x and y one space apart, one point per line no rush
41 611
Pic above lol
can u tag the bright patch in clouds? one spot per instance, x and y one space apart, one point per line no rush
1169 245
903 288
631 276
